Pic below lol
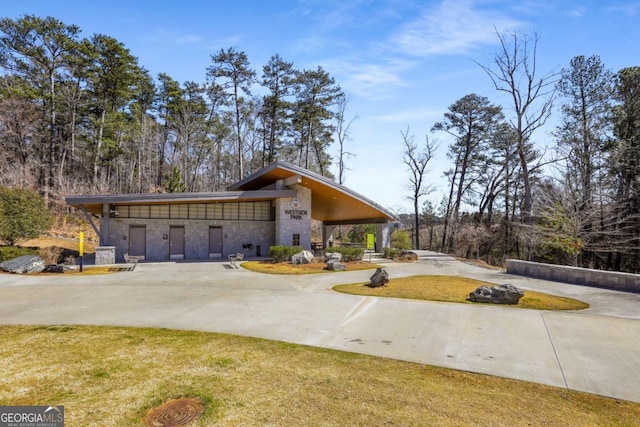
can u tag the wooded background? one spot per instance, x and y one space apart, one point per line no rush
81 115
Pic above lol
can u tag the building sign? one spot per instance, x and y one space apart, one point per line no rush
296 213
371 241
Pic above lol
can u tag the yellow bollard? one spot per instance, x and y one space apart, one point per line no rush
81 250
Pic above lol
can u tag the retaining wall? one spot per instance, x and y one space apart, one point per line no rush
576 275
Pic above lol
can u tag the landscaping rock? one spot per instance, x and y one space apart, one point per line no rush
335 266
303 257
24 264
333 261
379 278
333 257
501 294
53 268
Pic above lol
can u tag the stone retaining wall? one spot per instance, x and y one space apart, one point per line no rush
575 275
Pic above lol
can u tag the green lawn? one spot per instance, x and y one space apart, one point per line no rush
269 267
109 376
455 289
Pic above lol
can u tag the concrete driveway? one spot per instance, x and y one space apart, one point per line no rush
595 350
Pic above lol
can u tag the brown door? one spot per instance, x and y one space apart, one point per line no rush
176 243
215 242
138 241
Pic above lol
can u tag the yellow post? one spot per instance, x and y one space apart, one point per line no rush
81 250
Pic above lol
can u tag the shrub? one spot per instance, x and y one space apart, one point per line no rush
283 253
23 215
390 253
8 253
400 240
348 253
51 254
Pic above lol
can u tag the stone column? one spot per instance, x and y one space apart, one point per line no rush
328 235
383 236
104 225
293 216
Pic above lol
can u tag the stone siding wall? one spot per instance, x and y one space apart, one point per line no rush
105 255
235 234
575 275
292 220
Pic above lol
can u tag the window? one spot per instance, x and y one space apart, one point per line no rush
296 239
214 211
230 210
197 211
122 211
243 211
139 211
159 211
262 211
179 211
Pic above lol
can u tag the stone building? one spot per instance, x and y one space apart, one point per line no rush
274 206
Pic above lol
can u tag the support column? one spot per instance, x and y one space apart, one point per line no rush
293 218
383 236
104 225
328 235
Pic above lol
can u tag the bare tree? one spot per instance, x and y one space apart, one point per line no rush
514 72
417 159
342 132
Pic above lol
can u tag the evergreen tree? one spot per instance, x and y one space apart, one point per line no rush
23 215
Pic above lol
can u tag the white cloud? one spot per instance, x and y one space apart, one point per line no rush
189 39
368 79
454 27
578 12
629 9
407 116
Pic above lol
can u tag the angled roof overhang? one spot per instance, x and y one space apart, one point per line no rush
331 202
93 204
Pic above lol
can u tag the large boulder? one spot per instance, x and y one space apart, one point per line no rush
501 294
335 266
379 278
333 257
303 257
333 261
53 268
24 264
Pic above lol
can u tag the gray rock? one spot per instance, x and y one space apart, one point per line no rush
335 266
53 268
303 257
333 261
24 264
501 294
379 278
333 257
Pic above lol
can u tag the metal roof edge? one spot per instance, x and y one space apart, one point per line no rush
177 197
311 175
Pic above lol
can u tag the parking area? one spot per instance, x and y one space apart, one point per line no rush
595 350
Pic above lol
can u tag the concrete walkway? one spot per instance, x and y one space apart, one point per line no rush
595 350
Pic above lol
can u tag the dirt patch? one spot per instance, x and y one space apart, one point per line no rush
175 413
68 244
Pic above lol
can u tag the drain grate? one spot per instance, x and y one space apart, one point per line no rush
175 413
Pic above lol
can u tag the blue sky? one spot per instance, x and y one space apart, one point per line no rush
402 62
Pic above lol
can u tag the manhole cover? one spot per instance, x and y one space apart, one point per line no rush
175 413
